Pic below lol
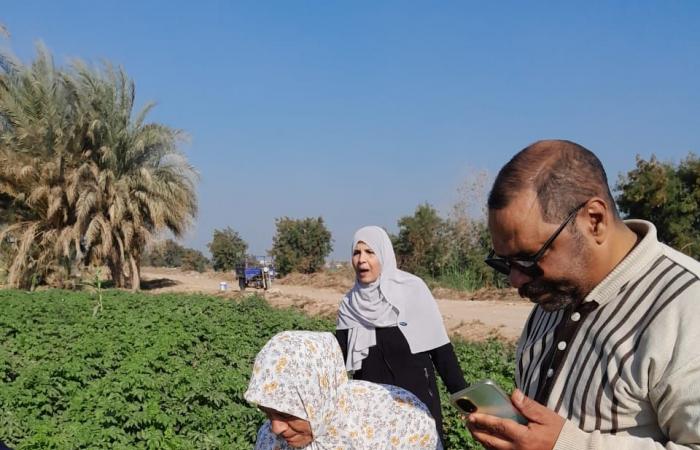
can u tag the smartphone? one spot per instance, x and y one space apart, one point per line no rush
487 398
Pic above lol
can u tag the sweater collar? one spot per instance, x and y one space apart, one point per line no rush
644 253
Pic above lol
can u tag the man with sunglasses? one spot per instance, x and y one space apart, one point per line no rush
610 355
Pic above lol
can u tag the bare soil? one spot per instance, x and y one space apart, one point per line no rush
475 316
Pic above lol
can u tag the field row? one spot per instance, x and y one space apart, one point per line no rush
154 371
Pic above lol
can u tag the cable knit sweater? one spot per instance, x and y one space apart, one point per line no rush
624 366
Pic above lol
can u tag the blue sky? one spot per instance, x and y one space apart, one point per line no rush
360 111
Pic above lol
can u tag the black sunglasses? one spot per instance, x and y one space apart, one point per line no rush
528 264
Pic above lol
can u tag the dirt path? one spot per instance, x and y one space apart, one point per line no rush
472 320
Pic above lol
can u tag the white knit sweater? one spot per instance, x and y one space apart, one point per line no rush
625 370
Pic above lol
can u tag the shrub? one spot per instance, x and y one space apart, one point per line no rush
667 195
422 245
449 252
227 249
194 260
171 254
300 245
470 243
167 253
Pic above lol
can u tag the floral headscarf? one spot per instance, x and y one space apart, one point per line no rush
302 373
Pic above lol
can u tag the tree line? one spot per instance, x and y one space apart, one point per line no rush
85 180
449 250
299 245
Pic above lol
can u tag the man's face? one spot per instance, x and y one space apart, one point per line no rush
519 230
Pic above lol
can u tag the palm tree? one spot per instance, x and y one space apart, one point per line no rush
37 137
90 182
136 182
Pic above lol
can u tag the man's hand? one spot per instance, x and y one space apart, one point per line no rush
495 433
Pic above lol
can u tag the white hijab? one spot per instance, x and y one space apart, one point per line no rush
396 298
302 373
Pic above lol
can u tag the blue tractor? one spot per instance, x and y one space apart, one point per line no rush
257 272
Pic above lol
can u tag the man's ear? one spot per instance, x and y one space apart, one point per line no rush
597 219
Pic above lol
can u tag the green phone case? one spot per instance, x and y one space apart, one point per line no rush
486 397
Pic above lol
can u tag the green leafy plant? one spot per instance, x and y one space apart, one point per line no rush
155 371
96 285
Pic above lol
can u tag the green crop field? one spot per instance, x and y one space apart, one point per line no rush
153 371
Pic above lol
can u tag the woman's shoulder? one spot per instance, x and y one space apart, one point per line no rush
391 396
396 415
407 282
407 279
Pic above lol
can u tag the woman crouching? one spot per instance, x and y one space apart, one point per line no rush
299 381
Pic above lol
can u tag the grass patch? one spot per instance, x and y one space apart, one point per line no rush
468 279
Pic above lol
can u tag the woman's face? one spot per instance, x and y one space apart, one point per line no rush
296 431
366 263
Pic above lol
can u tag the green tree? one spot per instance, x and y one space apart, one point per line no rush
300 245
227 249
422 245
667 195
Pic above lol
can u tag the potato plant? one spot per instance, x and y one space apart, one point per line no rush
152 371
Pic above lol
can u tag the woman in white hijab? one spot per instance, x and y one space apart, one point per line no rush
299 381
389 327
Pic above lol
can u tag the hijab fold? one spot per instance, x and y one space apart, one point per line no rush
397 298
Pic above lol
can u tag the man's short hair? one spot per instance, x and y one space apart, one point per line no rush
563 173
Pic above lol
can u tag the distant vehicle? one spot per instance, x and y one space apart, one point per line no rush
257 272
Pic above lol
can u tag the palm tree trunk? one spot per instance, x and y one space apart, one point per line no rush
135 274
116 270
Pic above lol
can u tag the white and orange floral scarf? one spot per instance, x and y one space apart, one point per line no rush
302 373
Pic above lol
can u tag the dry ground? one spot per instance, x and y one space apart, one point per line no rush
472 316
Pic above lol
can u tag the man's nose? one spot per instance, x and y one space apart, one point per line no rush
517 278
278 426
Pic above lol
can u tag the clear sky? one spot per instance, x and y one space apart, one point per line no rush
359 111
